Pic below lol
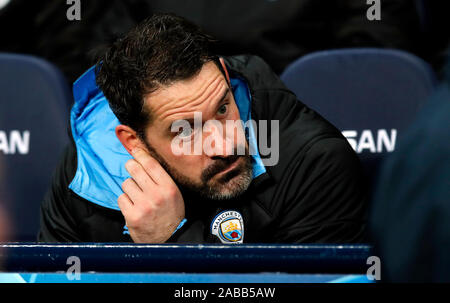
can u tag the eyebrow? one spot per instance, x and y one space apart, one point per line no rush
191 120
225 93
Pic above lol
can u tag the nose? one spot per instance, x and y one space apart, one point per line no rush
217 141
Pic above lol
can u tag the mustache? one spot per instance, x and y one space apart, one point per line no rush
221 164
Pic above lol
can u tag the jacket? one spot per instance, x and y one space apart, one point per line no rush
315 193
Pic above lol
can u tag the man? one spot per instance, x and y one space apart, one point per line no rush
124 178
410 212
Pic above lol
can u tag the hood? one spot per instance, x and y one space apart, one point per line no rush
101 157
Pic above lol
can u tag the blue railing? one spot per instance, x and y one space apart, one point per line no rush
102 257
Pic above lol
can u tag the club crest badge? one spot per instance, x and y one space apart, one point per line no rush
228 226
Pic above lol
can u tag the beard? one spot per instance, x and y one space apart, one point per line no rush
226 186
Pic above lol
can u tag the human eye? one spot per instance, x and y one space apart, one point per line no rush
185 132
223 109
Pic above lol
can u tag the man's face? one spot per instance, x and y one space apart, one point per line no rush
218 171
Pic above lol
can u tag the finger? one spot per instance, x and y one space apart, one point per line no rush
125 204
133 191
139 175
151 166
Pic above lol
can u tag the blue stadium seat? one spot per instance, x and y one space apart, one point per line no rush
34 110
370 94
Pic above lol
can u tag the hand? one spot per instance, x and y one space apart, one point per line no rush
152 204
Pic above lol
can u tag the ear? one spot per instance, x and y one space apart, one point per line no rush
128 137
222 62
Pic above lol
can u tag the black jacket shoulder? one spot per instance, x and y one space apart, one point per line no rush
67 217
318 191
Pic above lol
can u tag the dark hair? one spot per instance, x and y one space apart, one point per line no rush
162 49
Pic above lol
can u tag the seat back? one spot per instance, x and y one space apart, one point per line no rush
34 109
371 95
